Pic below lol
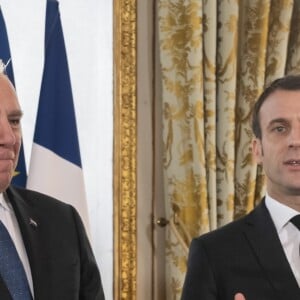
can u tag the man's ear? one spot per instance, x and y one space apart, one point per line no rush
257 150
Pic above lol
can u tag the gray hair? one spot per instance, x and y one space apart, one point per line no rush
3 66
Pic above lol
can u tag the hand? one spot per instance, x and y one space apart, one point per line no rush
239 296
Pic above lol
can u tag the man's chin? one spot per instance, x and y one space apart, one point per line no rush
294 190
5 179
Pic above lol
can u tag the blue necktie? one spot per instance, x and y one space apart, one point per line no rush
11 268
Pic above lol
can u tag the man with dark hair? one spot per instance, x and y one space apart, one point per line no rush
44 250
257 257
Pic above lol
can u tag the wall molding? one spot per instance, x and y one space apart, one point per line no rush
125 149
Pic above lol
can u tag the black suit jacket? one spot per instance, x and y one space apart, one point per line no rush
244 256
62 264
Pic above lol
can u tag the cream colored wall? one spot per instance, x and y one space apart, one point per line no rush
88 35
88 32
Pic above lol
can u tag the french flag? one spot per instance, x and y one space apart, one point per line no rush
55 164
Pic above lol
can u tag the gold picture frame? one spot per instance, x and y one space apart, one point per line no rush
125 139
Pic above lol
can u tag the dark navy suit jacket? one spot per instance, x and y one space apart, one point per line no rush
62 264
244 256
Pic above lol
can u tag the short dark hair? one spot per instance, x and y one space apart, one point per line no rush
286 83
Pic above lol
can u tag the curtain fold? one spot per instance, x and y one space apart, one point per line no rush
216 57
227 33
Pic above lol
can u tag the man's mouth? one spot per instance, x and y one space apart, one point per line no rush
293 162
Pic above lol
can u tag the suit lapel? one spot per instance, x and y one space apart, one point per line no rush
29 223
4 293
263 238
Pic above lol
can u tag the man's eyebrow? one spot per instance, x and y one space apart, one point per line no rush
276 121
16 113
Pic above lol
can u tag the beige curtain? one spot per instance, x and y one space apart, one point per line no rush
216 57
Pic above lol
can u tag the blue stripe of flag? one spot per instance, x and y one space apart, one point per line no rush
56 124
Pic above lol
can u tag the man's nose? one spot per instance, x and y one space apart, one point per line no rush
7 136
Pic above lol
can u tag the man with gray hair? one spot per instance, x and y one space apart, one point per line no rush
44 250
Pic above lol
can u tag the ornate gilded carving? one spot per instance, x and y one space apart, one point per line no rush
125 242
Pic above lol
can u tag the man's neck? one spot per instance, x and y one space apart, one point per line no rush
292 201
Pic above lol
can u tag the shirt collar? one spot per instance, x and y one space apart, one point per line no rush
4 204
280 213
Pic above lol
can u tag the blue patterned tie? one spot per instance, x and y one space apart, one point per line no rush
11 268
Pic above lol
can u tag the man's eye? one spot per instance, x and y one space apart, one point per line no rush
14 122
279 129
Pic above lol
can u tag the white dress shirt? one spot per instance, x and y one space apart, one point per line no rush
288 233
8 218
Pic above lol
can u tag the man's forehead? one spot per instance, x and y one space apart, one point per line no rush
283 99
280 104
7 90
